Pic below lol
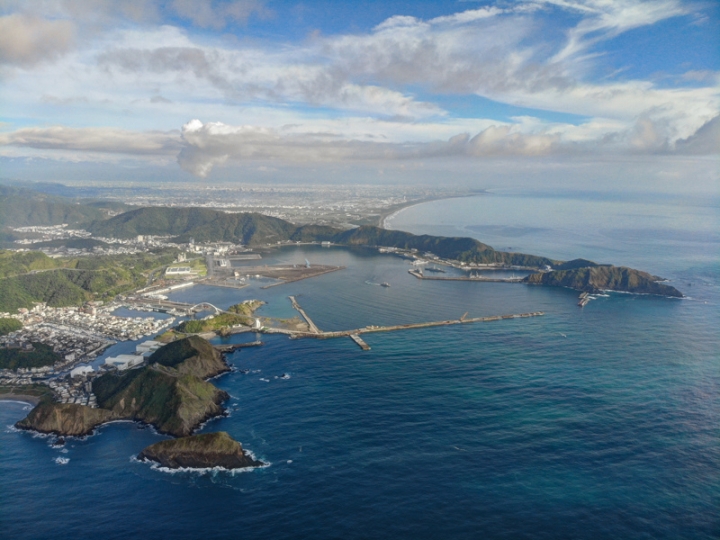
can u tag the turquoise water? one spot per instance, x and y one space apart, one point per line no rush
600 422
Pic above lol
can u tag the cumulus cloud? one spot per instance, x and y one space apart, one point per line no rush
705 140
214 143
27 40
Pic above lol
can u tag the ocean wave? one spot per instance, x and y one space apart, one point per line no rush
61 460
202 471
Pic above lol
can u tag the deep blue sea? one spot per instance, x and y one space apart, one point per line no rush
601 422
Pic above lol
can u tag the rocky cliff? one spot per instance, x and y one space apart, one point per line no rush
173 402
170 394
191 356
200 451
65 419
612 278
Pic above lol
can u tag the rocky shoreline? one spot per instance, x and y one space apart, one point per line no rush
208 450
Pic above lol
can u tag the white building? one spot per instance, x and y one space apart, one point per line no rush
123 361
148 346
81 371
178 271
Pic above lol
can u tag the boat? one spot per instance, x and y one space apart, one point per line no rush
385 284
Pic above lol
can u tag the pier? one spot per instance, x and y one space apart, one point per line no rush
357 339
419 275
313 328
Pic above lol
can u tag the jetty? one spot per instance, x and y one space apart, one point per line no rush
420 275
361 343
235 346
313 327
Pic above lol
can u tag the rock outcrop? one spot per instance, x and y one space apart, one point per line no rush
66 419
610 278
199 452
191 356
173 402
169 394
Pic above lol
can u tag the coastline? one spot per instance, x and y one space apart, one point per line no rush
20 398
390 214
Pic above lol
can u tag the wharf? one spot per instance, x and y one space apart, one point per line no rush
223 283
459 278
291 274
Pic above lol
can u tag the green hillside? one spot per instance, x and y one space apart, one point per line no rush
206 225
70 282
21 207
13 263
161 396
461 249
202 224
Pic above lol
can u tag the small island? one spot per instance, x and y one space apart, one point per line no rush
207 450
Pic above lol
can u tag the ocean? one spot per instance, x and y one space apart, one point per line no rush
600 422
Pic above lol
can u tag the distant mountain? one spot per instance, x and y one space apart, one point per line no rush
202 224
205 225
458 248
611 278
21 207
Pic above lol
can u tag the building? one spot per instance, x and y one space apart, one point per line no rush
123 361
81 371
148 346
178 271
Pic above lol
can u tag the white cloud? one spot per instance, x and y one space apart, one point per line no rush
103 140
27 40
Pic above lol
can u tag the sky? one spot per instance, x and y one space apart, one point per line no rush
601 92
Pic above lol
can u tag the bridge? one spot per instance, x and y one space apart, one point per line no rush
158 304
206 306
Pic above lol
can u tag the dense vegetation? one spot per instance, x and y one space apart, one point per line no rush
13 263
192 355
41 355
21 207
216 323
79 280
9 325
202 224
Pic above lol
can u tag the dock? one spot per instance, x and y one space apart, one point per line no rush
361 343
420 275
313 327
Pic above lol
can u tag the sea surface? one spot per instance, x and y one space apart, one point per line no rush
600 422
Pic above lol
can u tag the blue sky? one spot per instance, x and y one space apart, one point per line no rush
211 86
